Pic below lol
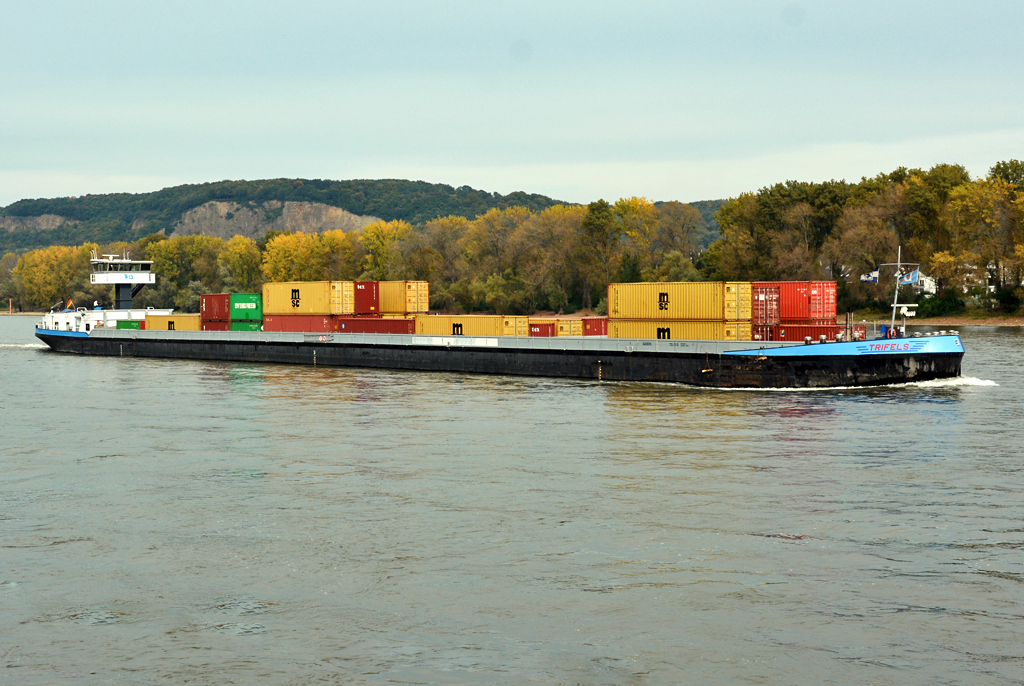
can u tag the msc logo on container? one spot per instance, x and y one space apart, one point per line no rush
664 334
662 303
295 297
456 329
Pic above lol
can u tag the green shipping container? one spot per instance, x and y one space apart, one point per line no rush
129 324
246 307
247 326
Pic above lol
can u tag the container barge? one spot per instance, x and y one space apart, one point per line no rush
704 363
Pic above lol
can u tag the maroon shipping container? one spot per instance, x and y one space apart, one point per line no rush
543 330
215 326
764 303
310 323
594 326
366 299
372 325
795 332
215 307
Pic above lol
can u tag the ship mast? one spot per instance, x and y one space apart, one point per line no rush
896 294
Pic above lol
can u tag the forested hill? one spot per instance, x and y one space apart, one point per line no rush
129 216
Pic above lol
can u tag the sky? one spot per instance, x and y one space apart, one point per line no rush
575 100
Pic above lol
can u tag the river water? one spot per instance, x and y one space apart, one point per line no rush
167 521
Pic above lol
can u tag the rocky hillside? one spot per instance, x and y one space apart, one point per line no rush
227 219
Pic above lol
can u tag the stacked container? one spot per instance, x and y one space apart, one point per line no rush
321 297
681 310
231 312
804 308
404 297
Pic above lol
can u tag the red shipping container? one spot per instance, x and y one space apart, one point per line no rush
795 332
366 298
594 326
799 301
764 303
543 330
373 325
142 325
794 300
309 323
823 299
215 307
215 326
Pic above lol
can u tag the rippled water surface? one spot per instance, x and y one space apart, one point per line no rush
186 522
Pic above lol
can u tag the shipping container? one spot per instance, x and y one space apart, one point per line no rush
244 325
397 316
367 298
343 298
680 330
173 322
542 329
796 332
299 297
472 325
515 326
246 307
595 326
404 297
309 323
459 325
215 307
373 325
801 301
680 301
215 326
134 324
764 303
823 299
570 327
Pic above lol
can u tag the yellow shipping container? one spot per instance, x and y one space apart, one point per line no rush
569 327
471 325
417 296
173 322
712 300
343 297
297 297
678 330
738 298
402 297
458 325
515 326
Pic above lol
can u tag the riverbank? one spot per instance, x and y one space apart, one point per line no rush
969 318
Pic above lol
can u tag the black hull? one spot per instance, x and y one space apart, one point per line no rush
711 370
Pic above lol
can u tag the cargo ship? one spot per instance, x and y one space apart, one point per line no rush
431 347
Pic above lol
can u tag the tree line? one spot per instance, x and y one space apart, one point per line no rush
967 233
512 260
